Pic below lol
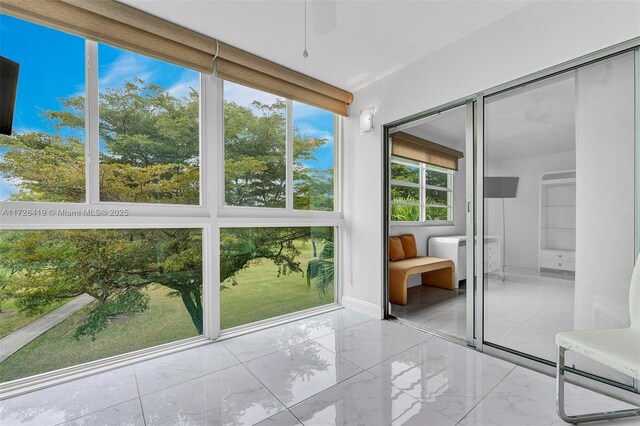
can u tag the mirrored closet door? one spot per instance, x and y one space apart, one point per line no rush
559 208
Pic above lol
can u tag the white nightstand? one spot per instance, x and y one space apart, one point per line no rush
455 248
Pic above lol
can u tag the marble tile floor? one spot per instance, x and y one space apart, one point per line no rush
337 368
524 312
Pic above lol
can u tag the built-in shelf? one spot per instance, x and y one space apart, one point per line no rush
557 237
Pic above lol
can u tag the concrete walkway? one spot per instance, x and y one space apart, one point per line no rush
13 342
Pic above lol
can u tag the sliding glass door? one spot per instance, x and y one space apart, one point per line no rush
427 202
558 192
546 211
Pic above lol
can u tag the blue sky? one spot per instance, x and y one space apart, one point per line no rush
52 67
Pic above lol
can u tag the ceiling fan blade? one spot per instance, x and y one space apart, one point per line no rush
324 16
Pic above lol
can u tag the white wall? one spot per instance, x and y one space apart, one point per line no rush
605 193
604 199
536 37
523 212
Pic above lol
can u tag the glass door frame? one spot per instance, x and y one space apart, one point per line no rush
475 213
469 105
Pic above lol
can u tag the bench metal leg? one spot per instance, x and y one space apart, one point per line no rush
581 418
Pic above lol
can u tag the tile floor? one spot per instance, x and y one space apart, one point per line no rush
524 312
336 368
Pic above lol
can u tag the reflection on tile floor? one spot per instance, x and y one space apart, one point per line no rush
339 368
524 312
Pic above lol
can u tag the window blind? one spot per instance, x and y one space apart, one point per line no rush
417 149
119 25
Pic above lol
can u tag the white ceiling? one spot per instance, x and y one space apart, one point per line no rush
371 40
535 120
538 119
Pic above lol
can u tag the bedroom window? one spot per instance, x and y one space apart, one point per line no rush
420 192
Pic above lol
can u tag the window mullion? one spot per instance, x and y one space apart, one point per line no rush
289 155
423 201
92 123
450 196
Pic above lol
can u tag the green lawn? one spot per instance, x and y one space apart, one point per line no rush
166 320
260 294
11 320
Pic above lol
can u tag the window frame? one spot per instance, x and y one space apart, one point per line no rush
210 215
92 151
422 186
281 319
225 210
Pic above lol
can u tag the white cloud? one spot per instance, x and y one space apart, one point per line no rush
315 132
126 66
243 95
187 81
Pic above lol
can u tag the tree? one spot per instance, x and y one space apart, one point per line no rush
112 265
149 153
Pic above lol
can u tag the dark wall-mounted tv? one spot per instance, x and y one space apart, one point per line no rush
8 90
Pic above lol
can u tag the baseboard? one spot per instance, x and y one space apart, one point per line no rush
367 308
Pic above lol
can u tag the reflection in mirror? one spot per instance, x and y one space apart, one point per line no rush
427 200
569 141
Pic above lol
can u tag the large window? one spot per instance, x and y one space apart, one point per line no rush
420 192
149 141
97 293
142 123
255 146
278 153
108 213
314 138
81 278
270 271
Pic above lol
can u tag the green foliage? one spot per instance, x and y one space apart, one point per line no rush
436 213
150 153
322 269
112 265
437 178
48 167
255 166
255 160
98 318
404 173
240 246
405 213
405 194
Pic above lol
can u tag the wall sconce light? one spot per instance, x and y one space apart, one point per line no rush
366 121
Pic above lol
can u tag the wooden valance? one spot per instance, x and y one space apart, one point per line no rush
119 25
417 149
